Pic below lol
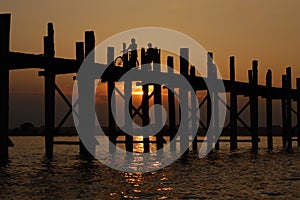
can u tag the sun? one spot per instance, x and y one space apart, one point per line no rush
138 92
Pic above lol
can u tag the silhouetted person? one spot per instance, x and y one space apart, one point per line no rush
150 53
132 46
133 52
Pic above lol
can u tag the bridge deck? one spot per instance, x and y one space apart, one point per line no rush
17 61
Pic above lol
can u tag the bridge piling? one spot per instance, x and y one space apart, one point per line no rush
128 120
145 106
215 107
209 95
171 106
254 106
194 112
298 111
158 100
289 108
127 97
4 83
212 105
86 89
269 110
184 70
49 89
111 104
283 111
233 106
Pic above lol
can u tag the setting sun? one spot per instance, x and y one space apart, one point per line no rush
138 92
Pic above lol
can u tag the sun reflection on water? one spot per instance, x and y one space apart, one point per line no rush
138 147
138 180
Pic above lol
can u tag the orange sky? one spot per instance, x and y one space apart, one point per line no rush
266 30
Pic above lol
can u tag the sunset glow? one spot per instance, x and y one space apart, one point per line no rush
138 92
264 30
159 99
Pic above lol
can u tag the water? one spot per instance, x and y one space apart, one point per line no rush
222 175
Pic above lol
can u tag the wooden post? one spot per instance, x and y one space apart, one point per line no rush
254 106
128 120
210 102
128 64
184 61
4 85
79 54
158 101
79 57
283 111
184 70
49 90
289 108
298 111
89 42
194 111
215 103
89 95
145 114
111 104
80 51
209 139
269 109
145 105
233 107
171 104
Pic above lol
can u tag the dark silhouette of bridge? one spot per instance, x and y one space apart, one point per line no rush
52 66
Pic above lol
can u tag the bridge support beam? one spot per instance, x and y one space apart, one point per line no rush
194 108
158 101
269 110
212 105
49 88
184 70
4 83
111 104
171 106
145 114
89 124
127 97
215 104
233 107
298 111
145 102
283 111
289 108
253 81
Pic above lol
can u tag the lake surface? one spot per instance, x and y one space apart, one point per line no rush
222 175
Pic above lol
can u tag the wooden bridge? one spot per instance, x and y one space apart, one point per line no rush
52 66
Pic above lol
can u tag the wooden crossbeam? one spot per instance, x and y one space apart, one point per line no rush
68 114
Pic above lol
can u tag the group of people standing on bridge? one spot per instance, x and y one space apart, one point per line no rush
150 54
